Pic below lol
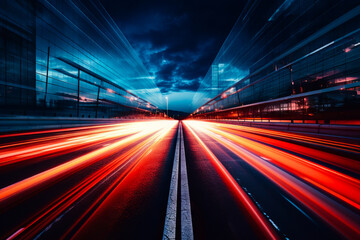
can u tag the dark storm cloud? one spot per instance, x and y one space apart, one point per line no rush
177 40
166 72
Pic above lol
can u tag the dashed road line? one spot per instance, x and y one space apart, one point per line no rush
186 220
185 208
170 219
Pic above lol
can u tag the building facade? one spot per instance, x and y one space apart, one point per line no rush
303 63
17 54
69 59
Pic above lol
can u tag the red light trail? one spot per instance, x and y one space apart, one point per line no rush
303 179
84 180
137 138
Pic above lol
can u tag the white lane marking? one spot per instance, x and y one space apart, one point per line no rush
298 208
170 219
186 220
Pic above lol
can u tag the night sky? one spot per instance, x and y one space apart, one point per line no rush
176 40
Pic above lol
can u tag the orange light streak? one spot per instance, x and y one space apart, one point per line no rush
334 183
340 185
60 144
322 142
257 217
54 209
340 161
76 164
131 175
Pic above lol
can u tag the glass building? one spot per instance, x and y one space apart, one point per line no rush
296 61
69 58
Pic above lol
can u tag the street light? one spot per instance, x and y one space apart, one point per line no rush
167 105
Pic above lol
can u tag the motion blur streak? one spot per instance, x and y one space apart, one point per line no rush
110 206
35 148
327 192
260 222
60 205
55 130
140 130
287 135
136 141
108 180
269 137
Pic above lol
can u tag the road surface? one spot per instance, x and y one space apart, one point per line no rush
169 180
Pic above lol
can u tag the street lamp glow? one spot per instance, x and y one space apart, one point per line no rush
167 105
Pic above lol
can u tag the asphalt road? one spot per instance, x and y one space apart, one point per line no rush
89 182
157 179
303 185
